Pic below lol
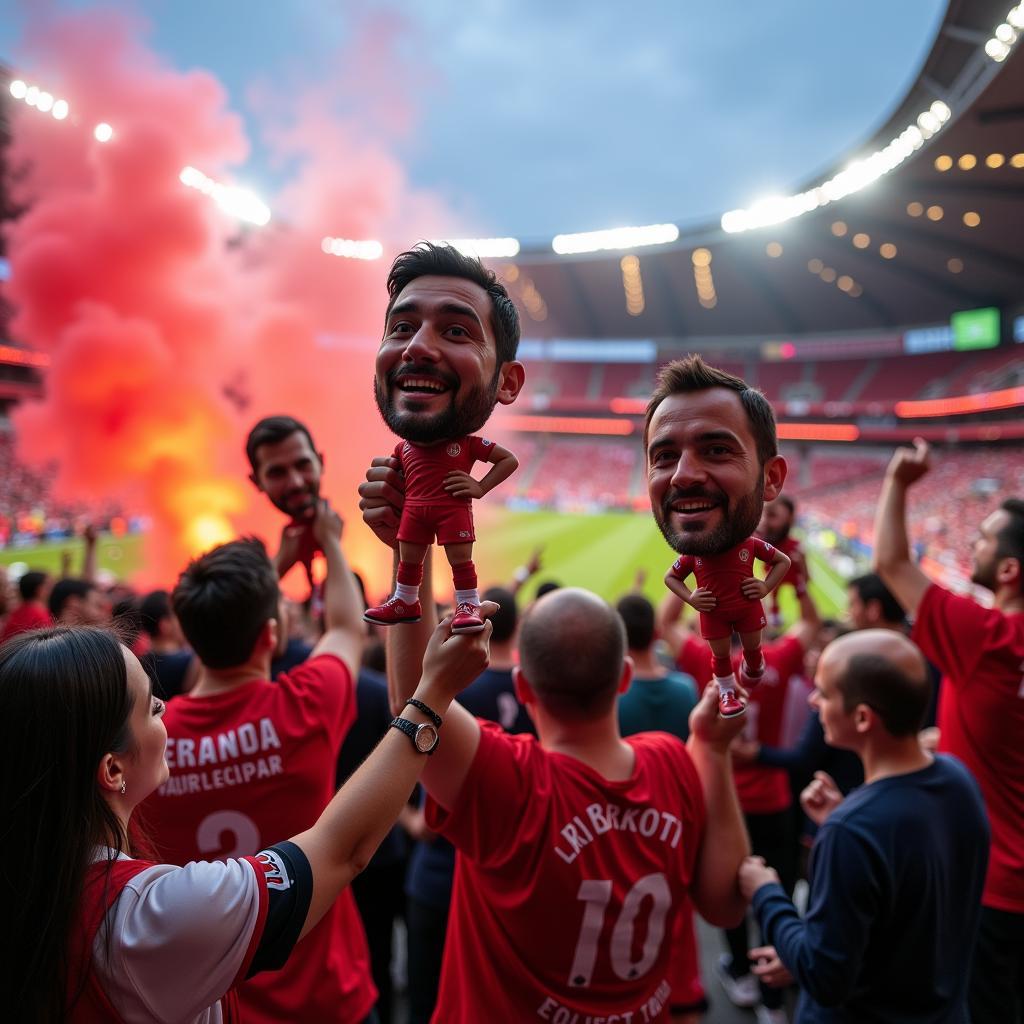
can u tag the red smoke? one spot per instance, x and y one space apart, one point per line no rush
170 329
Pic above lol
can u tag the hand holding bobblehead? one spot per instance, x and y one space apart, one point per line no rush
713 461
446 359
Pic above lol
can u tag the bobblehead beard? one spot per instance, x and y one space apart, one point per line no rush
738 521
461 417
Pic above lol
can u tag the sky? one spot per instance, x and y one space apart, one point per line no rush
529 118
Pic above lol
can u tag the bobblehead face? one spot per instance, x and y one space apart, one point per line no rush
705 481
437 374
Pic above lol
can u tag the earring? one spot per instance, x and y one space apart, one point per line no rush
124 787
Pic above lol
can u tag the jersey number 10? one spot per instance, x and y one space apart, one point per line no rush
596 894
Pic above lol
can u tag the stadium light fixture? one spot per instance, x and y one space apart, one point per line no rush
239 203
484 248
43 101
353 249
632 284
857 176
1005 35
615 238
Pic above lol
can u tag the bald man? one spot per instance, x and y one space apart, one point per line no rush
897 867
576 849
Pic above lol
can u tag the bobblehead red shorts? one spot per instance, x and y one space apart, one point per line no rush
451 525
715 627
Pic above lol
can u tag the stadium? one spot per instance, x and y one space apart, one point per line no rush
877 302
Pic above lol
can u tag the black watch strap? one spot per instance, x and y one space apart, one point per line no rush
429 712
429 742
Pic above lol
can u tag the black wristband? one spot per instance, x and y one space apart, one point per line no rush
429 712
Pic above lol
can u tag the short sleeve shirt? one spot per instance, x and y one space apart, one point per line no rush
426 466
253 766
178 938
981 720
568 884
724 574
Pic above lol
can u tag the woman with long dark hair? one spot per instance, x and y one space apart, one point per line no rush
94 933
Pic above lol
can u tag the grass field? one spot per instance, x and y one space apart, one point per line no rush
120 555
600 552
603 553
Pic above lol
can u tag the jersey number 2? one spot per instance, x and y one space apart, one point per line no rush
596 894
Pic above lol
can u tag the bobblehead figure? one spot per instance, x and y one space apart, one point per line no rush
728 597
446 359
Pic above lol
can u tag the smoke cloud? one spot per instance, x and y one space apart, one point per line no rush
170 328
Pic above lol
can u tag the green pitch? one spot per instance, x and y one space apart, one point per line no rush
600 552
604 552
120 555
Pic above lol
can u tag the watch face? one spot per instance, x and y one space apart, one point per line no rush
426 739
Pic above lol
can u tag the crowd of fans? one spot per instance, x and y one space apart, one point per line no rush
556 799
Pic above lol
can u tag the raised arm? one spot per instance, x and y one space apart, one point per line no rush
356 821
448 768
89 561
725 844
381 499
891 558
344 629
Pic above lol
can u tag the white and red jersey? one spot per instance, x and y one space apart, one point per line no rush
253 766
762 790
980 652
567 885
724 574
160 942
426 466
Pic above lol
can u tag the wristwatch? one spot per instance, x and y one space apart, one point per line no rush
423 737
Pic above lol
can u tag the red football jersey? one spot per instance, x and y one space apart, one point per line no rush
764 790
426 466
981 720
567 885
250 767
723 574
26 617
761 790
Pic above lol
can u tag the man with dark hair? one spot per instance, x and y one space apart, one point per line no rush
981 709
252 760
286 466
561 836
75 602
870 604
446 359
897 867
776 527
32 613
168 656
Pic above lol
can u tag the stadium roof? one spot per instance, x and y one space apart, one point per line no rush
938 233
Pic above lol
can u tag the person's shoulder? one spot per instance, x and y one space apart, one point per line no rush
658 746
